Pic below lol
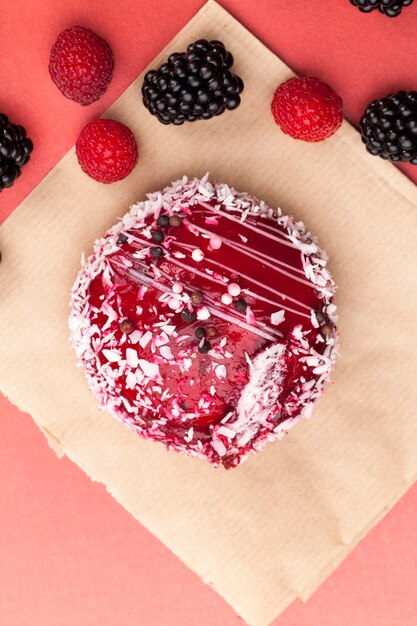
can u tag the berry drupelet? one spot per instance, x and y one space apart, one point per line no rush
389 127
15 150
192 85
390 8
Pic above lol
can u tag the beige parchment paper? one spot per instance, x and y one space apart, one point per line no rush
273 529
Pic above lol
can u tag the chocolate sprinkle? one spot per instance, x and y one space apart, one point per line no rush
326 330
127 327
175 221
158 235
196 297
187 316
156 252
204 347
163 221
122 238
200 332
241 305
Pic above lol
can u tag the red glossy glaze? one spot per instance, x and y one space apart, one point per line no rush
250 273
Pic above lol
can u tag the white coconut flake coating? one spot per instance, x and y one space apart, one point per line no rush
134 361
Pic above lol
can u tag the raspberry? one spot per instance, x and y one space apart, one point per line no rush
307 109
81 64
106 150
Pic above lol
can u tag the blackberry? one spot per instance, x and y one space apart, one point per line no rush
389 127
15 149
193 85
390 8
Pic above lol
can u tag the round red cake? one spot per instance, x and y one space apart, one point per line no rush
205 320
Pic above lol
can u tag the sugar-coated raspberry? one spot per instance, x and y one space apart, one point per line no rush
106 150
81 64
307 109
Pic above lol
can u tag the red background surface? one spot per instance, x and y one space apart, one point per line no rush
69 554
